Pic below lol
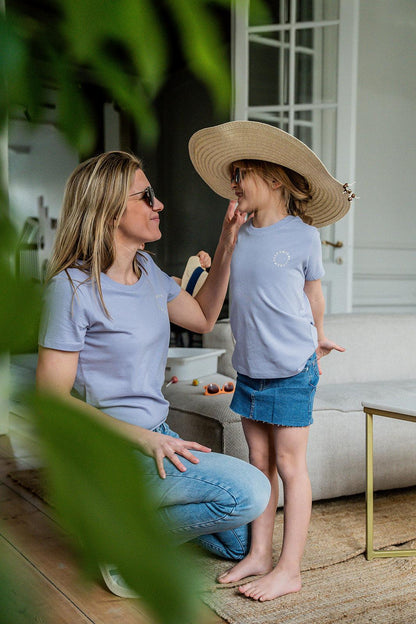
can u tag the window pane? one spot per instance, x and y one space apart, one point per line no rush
279 12
305 10
317 128
317 10
268 75
316 61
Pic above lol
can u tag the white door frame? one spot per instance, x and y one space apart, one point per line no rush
338 262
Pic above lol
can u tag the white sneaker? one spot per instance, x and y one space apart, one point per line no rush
115 583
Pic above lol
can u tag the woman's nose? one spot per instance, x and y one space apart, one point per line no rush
157 206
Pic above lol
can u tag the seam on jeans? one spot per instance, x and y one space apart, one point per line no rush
221 550
201 524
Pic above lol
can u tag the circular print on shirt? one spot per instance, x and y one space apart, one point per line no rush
281 258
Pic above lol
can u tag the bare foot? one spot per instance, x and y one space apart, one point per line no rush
249 566
276 583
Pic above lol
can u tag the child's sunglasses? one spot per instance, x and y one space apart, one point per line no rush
213 388
236 176
148 196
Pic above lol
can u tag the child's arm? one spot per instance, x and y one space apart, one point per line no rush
313 291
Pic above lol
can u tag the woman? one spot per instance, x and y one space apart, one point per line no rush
277 312
105 335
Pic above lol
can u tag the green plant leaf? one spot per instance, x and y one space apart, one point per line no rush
20 300
133 25
203 48
111 512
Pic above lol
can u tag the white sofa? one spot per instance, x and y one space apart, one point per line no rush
379 365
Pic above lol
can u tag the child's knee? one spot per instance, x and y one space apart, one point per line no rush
290 465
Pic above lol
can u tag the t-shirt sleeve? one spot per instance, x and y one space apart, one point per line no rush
314 268
64 320
168 284
173 288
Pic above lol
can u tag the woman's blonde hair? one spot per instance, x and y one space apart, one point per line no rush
295 187
94 201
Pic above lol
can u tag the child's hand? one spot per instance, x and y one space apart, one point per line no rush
204 259
234 219
325 347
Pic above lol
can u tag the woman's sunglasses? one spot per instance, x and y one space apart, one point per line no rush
148 196
213 388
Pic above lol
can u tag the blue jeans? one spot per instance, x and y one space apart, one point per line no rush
212 502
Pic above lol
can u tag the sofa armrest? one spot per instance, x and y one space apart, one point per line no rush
221 337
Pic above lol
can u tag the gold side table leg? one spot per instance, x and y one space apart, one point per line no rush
370 488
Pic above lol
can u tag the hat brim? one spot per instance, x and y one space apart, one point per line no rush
212 150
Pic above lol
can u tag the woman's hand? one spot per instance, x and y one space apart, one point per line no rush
159 445
233 220
325 346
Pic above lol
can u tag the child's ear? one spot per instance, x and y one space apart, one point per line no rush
276 184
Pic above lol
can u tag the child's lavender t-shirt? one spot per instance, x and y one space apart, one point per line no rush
270 314
122 359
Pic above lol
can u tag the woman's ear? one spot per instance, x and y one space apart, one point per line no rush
276 185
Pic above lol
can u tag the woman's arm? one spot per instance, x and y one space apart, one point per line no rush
313 291
198 314
56 372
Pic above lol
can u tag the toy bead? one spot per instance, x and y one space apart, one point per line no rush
174 379
195 382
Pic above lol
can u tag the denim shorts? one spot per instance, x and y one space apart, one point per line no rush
286 401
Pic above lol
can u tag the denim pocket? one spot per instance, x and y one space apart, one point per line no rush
313 371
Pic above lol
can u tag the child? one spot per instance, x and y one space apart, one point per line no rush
277 309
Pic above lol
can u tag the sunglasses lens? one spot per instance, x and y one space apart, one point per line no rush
228 387
150 196
212 389
236 176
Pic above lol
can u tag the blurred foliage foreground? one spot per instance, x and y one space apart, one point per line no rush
95 477
124 49
95 484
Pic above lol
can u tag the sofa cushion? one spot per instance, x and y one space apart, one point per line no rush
375 347
222 335
191 399
347 397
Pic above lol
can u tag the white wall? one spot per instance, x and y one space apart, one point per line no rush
385 214
39 164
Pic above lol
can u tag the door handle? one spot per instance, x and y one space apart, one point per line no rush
338 244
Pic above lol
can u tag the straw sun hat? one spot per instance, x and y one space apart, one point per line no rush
212 150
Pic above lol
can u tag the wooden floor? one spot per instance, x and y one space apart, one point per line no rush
33 543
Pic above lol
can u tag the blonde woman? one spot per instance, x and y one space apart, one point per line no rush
277 312
105 336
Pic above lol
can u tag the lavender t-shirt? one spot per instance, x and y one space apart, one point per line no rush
270 314
122 359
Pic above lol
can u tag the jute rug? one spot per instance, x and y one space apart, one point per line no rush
339 584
